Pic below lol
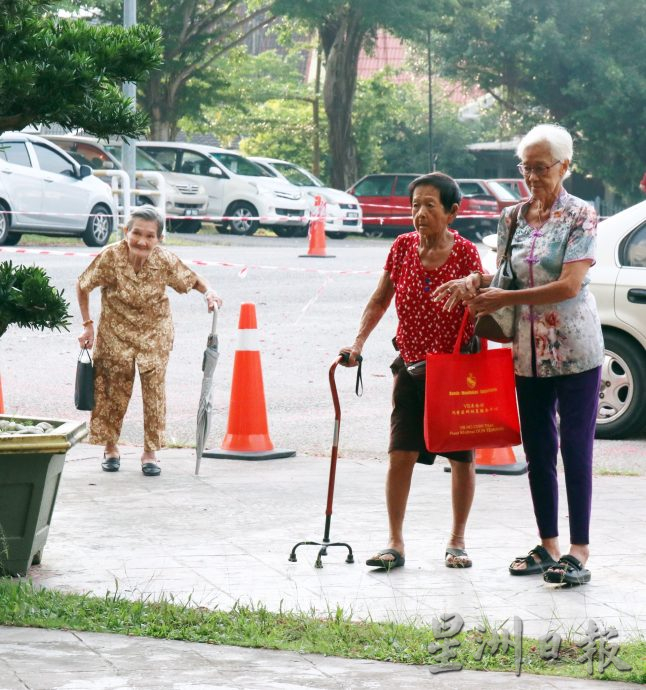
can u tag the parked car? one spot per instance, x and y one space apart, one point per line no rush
487 189
342 210
385 203
43 190
242 195
517 186
618 282
183 197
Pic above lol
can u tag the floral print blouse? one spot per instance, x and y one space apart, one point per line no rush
136 320
565 337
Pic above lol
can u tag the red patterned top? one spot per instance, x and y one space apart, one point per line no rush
423 326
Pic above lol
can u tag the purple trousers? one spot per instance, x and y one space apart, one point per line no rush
576 397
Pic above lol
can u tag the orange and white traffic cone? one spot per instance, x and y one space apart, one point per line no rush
498 461
317 232
247 435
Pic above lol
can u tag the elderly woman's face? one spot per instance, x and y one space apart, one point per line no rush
429 216
142 238
542 172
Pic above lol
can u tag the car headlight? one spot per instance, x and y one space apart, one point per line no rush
292 196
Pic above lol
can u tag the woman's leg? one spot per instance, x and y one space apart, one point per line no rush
537 410
463 486
578 397
153 393
113 382
398 480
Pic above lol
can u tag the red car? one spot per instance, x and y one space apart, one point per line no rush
385 203
516 186
488 189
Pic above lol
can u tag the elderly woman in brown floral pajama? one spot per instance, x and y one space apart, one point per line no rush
135 328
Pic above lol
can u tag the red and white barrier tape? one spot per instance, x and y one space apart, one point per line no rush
243 269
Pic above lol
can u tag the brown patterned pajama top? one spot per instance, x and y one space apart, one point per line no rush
135 327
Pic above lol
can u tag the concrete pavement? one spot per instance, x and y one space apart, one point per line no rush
225 536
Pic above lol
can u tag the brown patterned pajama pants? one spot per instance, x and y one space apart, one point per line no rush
113 381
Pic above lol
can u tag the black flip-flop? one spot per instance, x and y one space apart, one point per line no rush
378 561
568 571
533 567
457 553
151 469
111 464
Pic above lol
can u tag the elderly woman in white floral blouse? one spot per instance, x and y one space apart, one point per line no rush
135 327
558 347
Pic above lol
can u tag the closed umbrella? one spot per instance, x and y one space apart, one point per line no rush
209 361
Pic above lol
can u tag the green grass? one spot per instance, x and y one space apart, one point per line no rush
606 472
21 604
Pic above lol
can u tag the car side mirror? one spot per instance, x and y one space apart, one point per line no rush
215 171
84 171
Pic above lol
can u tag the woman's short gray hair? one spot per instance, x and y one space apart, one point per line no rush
147 213
556 137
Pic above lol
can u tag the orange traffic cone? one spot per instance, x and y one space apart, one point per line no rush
247 435
498 461
317 232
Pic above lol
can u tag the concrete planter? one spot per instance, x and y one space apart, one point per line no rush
30 472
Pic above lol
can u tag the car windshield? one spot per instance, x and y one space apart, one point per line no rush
239 164
297 176
502 193
143 160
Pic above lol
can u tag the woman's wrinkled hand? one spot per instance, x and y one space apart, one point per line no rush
86 339
455 292
212 300
352 353
487 301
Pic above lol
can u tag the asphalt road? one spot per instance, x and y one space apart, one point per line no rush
307 309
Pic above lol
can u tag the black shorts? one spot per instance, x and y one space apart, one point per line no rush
407 418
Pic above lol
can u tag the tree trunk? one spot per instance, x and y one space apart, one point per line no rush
342 39
155 101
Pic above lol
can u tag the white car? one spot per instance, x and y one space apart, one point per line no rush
242 196
342 211
43 190
618 282
184 198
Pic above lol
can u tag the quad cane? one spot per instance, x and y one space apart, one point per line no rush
325 544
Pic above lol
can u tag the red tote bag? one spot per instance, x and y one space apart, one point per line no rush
470 399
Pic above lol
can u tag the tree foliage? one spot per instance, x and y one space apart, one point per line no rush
195 35
581 63
344 27
69 72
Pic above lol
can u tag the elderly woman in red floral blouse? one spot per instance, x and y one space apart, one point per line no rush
417 264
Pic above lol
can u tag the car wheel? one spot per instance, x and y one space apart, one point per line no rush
622 396
184 226
373 232
5 226
337 235
241 212
282 231
99 227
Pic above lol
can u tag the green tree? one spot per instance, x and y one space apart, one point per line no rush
581 63
196 34
344 27
69 72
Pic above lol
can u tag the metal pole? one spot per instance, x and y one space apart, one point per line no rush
130 90
431 161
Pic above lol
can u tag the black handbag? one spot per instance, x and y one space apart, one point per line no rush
84 386
501 325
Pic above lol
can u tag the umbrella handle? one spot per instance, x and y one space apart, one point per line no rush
214 325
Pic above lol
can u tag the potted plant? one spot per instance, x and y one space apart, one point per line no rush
32 450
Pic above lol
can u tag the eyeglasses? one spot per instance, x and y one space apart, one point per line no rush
538 170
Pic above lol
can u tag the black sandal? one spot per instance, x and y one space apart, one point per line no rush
568 571
533 567
111 464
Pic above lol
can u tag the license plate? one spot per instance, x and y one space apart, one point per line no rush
352 214
191 212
